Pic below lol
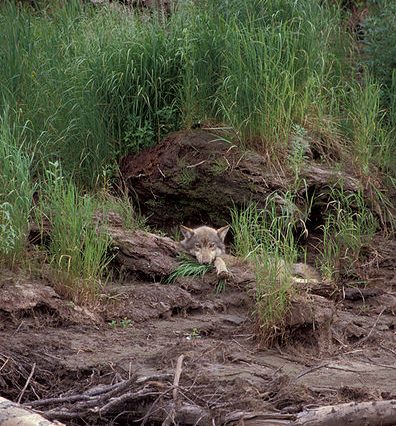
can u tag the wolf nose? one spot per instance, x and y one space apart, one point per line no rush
205 259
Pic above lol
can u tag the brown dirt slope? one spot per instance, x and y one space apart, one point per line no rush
143 327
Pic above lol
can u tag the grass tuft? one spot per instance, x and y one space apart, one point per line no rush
188 268
79 246
348 227
16 190
266 238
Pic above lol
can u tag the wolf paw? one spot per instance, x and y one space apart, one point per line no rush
222 272
224 275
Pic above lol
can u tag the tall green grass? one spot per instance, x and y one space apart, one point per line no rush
259 65
95 84
16 190
266 238
79 245
372 140
44 78
83 86
348 226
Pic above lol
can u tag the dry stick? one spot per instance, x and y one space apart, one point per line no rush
371 331
5 363
172 412
178 372
126 397
85 409
310 370
104 393
382 346
26 384
144 419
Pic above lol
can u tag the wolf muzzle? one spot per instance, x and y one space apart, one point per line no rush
205 256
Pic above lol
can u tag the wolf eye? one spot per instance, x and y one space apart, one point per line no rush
212 245
197 246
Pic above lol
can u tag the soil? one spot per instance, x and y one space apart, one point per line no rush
142 327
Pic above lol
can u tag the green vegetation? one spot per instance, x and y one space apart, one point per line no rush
95 84
16 190
79 246
123 323
380 48
379 53
349 225
188 268
194 334
266 238
81 86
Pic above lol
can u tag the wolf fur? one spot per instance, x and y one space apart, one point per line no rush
206 244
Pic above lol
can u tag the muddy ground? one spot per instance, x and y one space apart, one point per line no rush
142 327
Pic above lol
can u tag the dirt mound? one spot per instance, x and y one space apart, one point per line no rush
180 179
24 297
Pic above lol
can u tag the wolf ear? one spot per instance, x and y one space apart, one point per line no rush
187 232
222 232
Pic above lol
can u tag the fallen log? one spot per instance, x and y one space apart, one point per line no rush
13 414
372 413
144 253
196 177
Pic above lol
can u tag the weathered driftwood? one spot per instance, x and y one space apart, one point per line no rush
155 399
145 253
197 176
13 414
372 413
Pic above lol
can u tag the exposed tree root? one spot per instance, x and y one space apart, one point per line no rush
156 399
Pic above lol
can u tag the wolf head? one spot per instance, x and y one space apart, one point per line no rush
204 243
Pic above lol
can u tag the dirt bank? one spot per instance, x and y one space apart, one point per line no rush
141 328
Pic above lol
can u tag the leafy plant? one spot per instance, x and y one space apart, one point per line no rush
194 334
123 323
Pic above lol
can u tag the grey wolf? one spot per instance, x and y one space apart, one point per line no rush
206 244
